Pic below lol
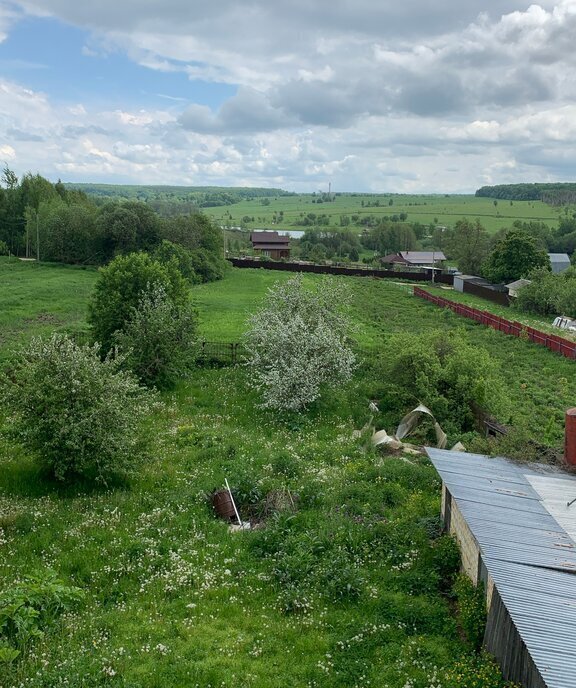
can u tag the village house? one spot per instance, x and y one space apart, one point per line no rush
417 259
270 245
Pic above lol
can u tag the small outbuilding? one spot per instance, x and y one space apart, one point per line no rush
516 526
270 244
515 286
559 262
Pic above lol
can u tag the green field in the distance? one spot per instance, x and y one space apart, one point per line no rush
426 209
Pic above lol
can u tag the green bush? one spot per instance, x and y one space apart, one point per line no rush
446 373
159 339
168 252
79 414
119 290
28 607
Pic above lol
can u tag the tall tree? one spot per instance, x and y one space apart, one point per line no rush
468 244
514 257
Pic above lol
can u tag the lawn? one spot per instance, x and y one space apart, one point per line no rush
345 582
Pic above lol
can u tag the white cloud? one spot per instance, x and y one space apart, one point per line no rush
374 94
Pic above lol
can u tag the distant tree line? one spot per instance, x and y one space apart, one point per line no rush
61 224
173 200
553 194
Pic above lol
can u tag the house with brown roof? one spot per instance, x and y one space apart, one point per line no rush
270 245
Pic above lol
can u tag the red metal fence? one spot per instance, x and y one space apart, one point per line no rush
550 341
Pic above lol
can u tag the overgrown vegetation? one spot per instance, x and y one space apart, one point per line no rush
79 415
549 294
347 572
159 338
447 373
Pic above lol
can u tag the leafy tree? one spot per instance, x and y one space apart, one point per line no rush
207 266
549 294
468 244
80 415
159 339
389 237
513 257
68 233
127 227
298 344
194 231
119 289
167 252
446 372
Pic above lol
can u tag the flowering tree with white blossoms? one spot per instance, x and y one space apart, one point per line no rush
298 343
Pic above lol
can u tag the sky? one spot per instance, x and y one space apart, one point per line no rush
365 95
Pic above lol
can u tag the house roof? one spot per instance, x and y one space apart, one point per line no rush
526 534
518 284
559 257
394 258
417 257
269 238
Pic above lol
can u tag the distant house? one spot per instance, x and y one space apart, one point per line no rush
559 262
513 287
270 245
421 259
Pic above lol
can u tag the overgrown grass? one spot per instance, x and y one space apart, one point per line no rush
40 299
347 580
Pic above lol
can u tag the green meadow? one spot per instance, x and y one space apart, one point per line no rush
425 209
345 580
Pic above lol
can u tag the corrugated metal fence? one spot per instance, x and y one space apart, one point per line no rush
358 271
550 341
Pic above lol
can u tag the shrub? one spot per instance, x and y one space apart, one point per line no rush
445 372
297 344
159 339
119 290
79 414
167 252
28 607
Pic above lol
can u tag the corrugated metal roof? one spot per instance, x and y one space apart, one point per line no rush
423 256
526 534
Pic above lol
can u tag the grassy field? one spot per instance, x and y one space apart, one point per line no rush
347 581
38 299
426 209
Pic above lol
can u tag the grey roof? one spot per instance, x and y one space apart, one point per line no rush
417 257
559 261
518 284
526 533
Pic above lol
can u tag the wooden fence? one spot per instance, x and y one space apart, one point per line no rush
516 329
356 271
